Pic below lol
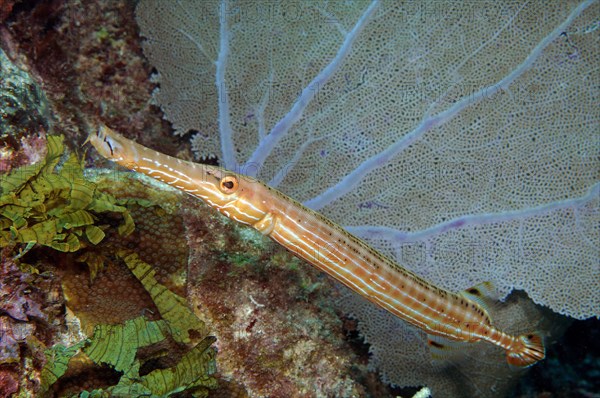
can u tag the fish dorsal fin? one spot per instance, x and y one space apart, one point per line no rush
484 294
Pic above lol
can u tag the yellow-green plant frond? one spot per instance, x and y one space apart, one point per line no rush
55 206
172 308
117 346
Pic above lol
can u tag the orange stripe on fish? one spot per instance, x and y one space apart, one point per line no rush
327 246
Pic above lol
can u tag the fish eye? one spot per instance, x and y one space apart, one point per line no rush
228 184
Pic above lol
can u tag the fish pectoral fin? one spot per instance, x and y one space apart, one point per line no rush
266 224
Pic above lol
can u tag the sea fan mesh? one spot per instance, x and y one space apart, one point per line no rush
525 142
460 138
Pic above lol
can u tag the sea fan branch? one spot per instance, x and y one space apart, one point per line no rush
282 127
227 148
397 236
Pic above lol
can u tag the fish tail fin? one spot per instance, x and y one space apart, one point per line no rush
527 350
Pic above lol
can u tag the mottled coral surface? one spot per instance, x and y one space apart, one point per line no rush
87 56
271 313
31 312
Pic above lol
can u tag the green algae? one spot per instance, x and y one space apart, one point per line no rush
172 308
55 206
192 374
51 203
117 346
57 363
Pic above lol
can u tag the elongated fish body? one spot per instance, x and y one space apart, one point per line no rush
327 246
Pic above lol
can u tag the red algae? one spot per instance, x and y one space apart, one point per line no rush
31 306
89 61
28 150
6 7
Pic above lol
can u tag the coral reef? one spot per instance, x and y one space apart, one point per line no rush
88 57
51 203
23 105
115 296
23 114
276 329
271 314
47 204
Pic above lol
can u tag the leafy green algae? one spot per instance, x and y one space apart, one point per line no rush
193 373
118 345
172 307
55 207
57 363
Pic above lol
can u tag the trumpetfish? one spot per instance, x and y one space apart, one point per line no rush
458 317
